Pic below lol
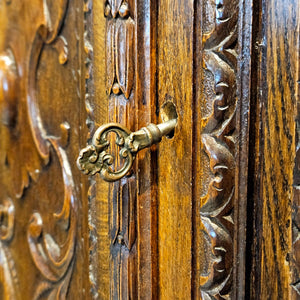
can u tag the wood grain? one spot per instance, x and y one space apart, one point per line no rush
99 203
174 83
277 43
220 147
146 165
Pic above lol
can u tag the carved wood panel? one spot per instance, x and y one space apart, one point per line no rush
128 76
219 143
40 195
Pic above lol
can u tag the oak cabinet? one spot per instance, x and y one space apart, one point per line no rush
209 212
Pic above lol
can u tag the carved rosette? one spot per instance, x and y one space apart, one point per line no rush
218 140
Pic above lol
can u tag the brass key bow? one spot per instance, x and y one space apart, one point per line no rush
96 159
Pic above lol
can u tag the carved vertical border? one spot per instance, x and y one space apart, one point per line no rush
222 80
120 88
130 85
90 122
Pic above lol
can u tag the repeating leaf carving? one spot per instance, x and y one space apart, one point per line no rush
123 238
218 139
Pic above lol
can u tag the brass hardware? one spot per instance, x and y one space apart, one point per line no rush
95 158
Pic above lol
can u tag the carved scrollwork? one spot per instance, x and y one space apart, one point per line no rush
218 139
55 262
7 219
26 137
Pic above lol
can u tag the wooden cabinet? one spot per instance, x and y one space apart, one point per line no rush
210 212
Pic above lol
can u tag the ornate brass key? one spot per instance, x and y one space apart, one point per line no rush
96 159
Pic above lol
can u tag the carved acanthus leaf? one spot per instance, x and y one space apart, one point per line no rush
218 140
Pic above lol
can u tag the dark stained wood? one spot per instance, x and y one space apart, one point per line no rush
132 203
295 255
120 67
274 113
146 165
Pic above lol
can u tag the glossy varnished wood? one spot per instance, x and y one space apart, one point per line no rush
175 69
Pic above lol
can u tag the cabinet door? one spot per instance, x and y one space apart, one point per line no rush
208 212
177 221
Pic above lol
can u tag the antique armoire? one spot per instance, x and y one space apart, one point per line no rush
149 149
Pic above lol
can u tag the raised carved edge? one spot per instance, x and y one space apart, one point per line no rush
223 36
